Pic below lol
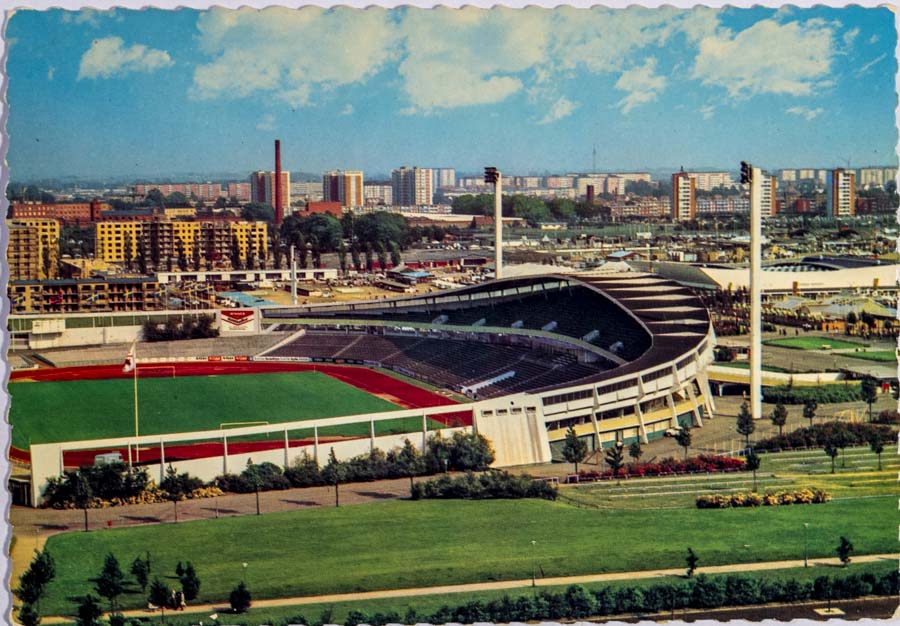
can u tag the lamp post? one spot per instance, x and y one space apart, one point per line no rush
243 572
805 544
533 572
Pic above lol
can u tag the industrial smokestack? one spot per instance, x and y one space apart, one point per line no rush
279 209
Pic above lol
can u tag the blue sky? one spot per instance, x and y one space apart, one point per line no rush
147 93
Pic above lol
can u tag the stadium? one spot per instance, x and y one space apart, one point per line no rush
618 356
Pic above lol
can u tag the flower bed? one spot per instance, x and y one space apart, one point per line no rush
702 464
739 500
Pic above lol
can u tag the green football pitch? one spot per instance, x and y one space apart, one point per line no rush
92 409
814 343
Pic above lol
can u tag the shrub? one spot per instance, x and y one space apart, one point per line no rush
820 434
664 467
823 394
736 500
494 484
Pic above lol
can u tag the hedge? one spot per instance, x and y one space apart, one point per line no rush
704 463
494 484
823 394
577 603
818 435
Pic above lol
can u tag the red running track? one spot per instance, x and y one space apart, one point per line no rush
372 381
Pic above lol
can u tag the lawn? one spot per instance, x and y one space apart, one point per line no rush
882 356
858 477
428 604
91 409
813 343
404 544
745 365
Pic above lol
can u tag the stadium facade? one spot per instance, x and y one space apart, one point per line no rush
620 357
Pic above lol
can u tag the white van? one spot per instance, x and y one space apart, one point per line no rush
107 458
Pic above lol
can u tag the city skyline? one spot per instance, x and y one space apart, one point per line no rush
147 93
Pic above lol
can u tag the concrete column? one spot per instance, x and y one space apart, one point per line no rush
693 397
671 402
371 435
224 454
316 444
162 461
640 416
594 423
293 278
425 431
287 448
129 455
756 294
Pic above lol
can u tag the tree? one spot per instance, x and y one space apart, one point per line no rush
410 461
342 257
355 257
176 198
89 611
29 615
84 495
334 473
258 212
752 462
381 251
140 569
182 259
683 438
809 410
844 550
635 451
574 448
869 388
190 582
832 451
395 254
33 585
851 319
779 417
615 459
159 596
692 560
195 255
110 584
240 598
142 257
745 424
876 445
842 439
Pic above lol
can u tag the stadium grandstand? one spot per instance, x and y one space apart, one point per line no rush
618 356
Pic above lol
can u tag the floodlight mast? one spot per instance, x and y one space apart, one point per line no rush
753 176
493 175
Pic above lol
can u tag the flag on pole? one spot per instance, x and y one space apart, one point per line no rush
129 360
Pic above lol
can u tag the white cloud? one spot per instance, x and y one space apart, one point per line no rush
347 110
707 111
266 122
109 57
560 109
768 57
873 39
293 54
806 112
51 72
91 17
865 68
642 85
850 36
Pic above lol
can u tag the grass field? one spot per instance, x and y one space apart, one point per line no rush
90 409
428 604
780 471
813 343
405 544
882 356
744 365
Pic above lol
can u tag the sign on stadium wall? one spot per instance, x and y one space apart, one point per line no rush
239 320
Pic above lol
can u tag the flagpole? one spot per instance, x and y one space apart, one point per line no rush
137 447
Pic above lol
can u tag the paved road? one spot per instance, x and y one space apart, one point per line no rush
512 584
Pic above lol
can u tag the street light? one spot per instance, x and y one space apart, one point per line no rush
533 548
244 573
805 544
